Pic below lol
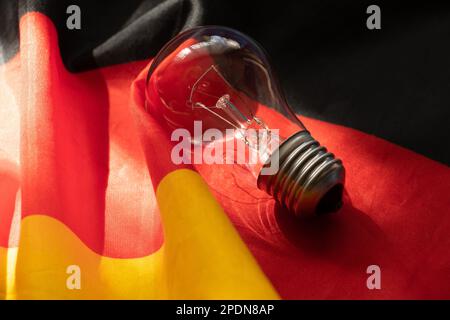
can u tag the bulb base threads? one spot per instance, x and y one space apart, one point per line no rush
309 180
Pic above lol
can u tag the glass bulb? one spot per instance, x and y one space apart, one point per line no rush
222 79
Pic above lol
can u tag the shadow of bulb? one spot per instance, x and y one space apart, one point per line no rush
222 79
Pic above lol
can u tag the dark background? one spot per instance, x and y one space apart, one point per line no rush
393 82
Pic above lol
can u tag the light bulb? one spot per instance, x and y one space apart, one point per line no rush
223 78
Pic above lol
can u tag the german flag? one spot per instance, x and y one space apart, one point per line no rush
88 188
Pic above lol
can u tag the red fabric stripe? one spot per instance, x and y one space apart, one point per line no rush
155 139
81 160
396 215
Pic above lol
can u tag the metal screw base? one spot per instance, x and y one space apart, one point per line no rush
309 181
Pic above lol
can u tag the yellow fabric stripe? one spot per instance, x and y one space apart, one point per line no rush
203 256
203 252
48 248
8 258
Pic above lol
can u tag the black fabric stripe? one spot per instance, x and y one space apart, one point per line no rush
393 82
